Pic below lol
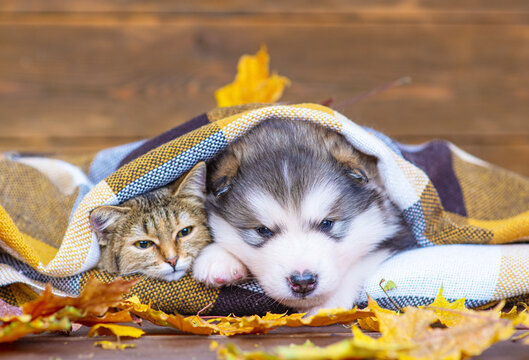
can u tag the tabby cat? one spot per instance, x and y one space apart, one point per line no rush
158 234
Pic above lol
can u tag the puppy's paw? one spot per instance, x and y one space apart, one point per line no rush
216 267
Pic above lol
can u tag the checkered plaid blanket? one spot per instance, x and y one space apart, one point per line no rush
447 196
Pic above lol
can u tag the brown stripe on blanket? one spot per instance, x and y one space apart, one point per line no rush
240 302
435 159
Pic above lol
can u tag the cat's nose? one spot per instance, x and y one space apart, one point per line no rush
172 261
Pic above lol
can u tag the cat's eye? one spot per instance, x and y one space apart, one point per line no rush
264 232
143 244
184 232
326 225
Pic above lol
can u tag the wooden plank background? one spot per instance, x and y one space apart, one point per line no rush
78 76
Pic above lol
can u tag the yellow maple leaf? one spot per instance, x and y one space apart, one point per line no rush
448 318
408 335
469 337
514 315
371 323
113 345
326 317
117 330
253 82
360 347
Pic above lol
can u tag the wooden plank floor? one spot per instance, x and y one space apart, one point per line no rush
162 343
79 76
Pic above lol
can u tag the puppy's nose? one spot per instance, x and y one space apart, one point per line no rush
303 284
172 261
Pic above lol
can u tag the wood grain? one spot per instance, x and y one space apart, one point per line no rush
138 81
80 76
168 344
262 6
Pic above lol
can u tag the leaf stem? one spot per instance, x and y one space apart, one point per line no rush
389 297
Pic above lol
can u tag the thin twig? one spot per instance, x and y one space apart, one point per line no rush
204 308
399 82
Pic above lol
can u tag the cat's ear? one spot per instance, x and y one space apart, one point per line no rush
193 183
105 218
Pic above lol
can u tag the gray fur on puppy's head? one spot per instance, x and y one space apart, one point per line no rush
286 159
292 197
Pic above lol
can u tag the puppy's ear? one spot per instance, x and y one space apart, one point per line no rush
221 186
193 183
360 167
359 175
225 169
104 219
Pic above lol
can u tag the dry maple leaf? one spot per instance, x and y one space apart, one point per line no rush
232 325
360 347
116 330
253 82
448 318
408 335
371 323
474 332
94 299
112 345
109 317
51 312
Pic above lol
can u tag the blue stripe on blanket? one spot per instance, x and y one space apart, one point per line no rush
414 216
107 161
175 167
69 285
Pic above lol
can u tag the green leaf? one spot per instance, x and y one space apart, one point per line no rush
390 285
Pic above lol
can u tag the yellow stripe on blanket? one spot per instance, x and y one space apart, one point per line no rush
507 230
236 125
316 107
45 252
513 279
13 238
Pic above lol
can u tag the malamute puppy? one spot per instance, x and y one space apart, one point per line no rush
296 205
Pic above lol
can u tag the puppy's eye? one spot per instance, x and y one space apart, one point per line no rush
143 244
326 225
184 232
264 232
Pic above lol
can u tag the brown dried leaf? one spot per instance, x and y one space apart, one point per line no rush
55 313
109 317
95 299
229 326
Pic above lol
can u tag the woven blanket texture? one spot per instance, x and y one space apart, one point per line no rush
477 211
